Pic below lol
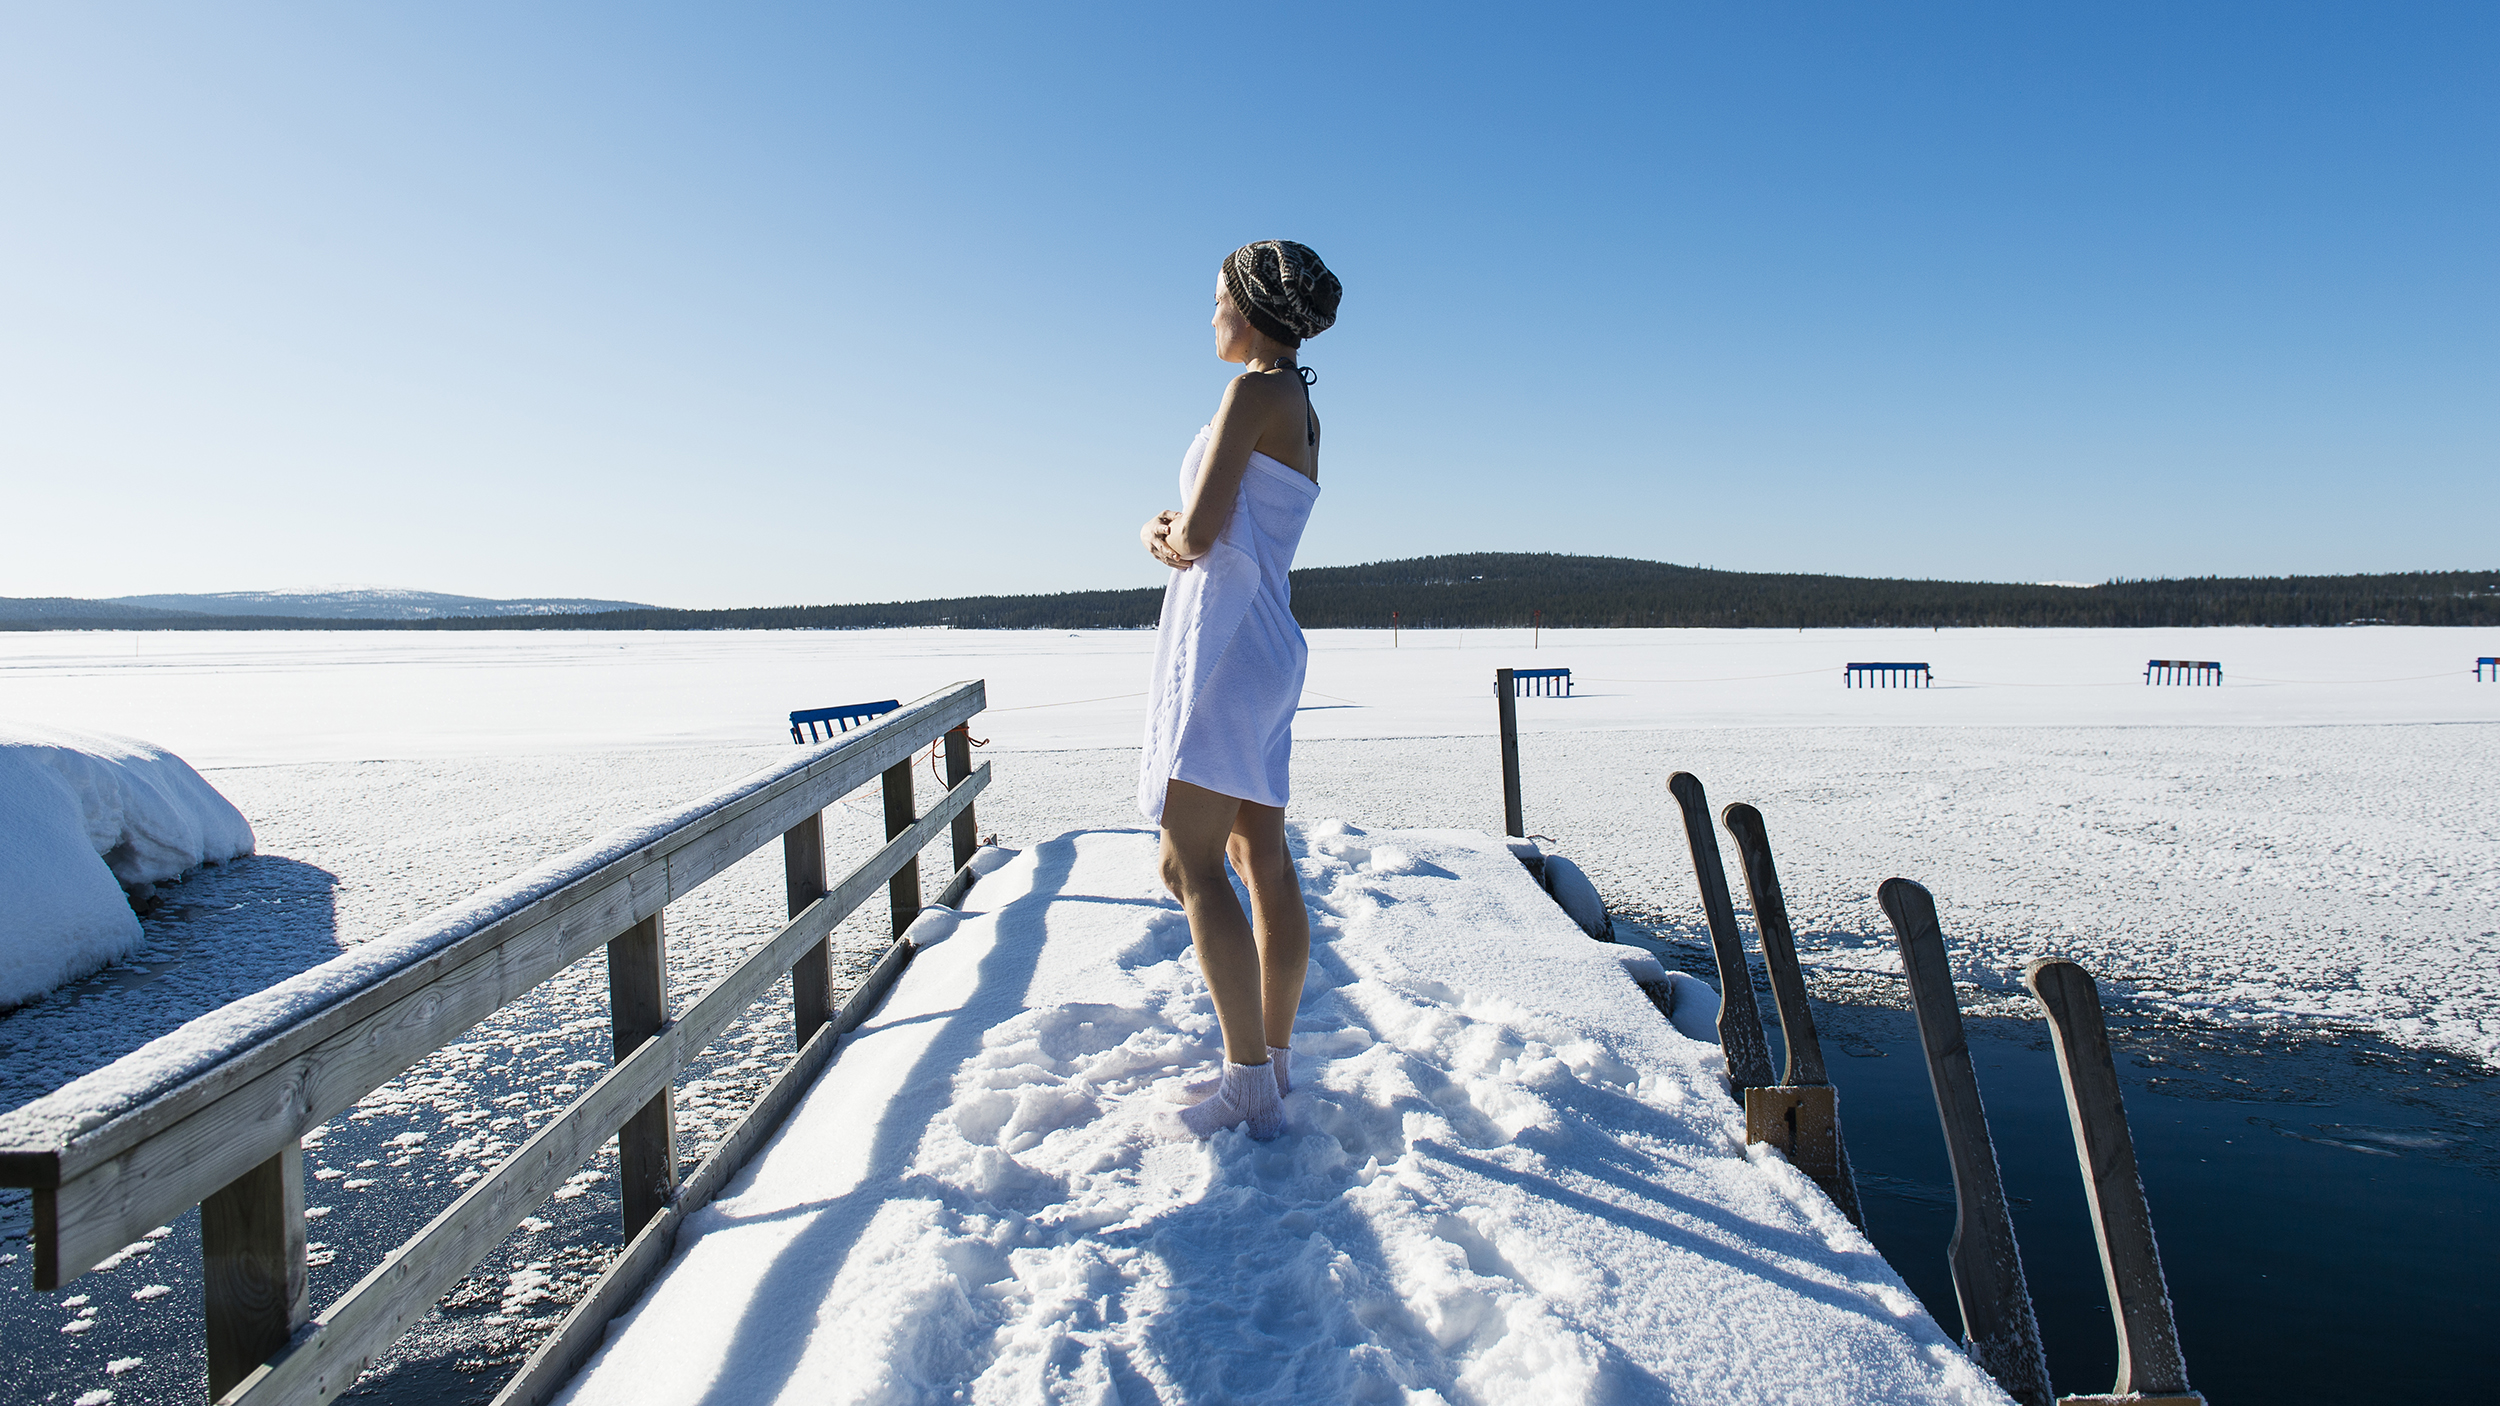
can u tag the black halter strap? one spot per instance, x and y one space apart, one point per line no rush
1308 378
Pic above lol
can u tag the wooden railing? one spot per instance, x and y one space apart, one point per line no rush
213 1115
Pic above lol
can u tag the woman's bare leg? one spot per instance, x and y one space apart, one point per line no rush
1197 823
1280 921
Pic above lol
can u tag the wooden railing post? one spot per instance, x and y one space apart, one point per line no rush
1999 1329
256 1287
646 1147
811 981
959 766
903 892
1513 820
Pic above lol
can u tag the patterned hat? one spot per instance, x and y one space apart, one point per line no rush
1283 289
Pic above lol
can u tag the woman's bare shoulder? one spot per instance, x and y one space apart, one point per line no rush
1261 396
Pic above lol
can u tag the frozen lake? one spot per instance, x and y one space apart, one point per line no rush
2309 847
2314 838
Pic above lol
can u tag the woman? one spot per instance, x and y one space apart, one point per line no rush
1228 673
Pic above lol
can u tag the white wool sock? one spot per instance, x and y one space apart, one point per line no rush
1247 1098
1197 1089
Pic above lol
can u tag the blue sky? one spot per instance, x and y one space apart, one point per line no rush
745 305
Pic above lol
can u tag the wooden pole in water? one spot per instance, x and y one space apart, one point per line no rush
1513 822
1740 1020
1802 1114
1999 1329
2150 1365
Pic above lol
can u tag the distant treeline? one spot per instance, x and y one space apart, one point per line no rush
1501 589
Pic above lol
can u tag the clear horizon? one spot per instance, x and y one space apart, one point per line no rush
793 305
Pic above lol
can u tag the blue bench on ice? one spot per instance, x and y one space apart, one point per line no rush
840 719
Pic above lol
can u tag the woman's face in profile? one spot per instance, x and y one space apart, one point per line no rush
1232 330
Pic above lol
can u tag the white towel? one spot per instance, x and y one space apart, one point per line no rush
1229 658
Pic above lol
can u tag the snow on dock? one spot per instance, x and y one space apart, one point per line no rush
1507 1179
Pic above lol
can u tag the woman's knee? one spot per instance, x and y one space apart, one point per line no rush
1183 875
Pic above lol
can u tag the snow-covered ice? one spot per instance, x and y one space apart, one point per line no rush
86 816
1506 1178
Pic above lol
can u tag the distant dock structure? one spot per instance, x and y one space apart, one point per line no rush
2186 671
1892 675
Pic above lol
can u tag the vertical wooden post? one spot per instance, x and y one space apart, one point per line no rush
1513 823
1740 1020
256 1287
2149 1361
1803 1112
903 891
1999 1329
646 1147
1779 946
811 981
959 767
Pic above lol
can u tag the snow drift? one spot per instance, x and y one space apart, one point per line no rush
87 816
1505 1178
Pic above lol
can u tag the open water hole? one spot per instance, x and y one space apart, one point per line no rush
2324 1202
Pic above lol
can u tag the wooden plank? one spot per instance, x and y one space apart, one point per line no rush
903 891
1801 1121
165 1153
622 1283
347 1336
255 1283
1740 1020
811 979
2149 1360
1506 708
1779 946
1788 992
646 1152
959 766
2000 1331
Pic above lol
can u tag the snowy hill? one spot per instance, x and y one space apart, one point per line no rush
363 603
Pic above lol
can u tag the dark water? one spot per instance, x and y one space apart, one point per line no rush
2325 1203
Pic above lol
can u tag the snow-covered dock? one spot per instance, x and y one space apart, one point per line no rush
1506 1179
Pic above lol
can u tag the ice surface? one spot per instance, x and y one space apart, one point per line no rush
171 1058
1506 1179
248 698
85 816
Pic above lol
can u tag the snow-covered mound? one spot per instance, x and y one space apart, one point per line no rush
1506 1179
86 816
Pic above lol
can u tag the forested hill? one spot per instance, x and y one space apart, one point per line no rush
1494 589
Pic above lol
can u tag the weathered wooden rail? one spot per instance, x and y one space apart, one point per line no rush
214 1114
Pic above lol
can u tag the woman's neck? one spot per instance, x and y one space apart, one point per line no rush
1269 361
